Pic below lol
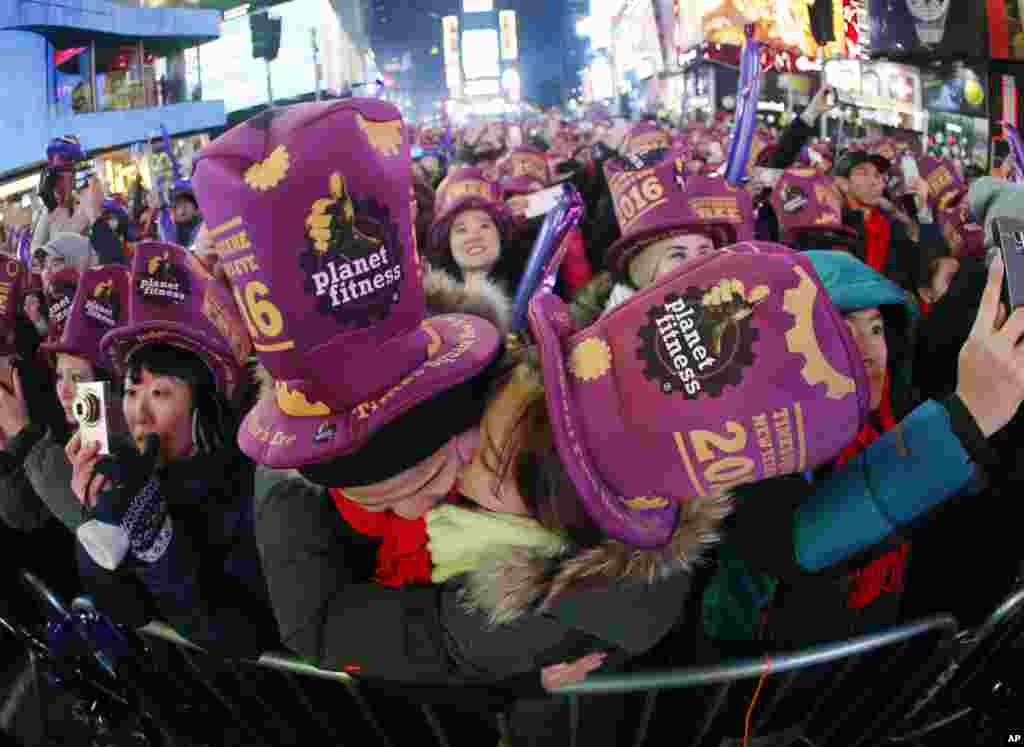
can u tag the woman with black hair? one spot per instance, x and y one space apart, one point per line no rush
28 410
172 506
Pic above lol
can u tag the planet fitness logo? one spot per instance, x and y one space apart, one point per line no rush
59 300
700 341
353 264
103 309
163 282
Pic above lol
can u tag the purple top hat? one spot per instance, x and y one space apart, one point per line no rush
661 200
465 189
308 207
100 305
175 300
60 297
525 161
599 114
946 187
13 279
965 239
520 185
182 188
806 200
645 137
464 182
734 369
64 151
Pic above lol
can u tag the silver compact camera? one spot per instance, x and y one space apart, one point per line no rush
99 414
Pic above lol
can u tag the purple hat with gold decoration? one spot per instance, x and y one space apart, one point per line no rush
175 300
806 200
308 208
662 200
466 181
465 189
60 297
524 161
520 185
100 306
645 137
735 369
965 239
946 188
13 280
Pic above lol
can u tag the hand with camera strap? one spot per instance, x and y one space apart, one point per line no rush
124 471
128 512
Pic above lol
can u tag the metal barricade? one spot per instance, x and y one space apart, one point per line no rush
292 676
969 678
852 693
840 695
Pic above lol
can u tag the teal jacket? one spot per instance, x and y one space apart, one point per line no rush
905 473
810 533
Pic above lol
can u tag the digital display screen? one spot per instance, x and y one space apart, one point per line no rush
230 73
480 51
955 91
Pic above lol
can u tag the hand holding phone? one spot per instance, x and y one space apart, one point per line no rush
1009 234
824 100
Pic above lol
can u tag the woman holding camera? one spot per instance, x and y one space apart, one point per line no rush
29 417
171 506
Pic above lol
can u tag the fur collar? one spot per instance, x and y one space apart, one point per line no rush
446 295
510 583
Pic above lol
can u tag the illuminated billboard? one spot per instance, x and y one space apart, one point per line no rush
783 24
229 72
509 35
450 26
482 87
481 46
452 60
635 41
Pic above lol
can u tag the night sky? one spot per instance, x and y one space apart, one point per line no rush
410 28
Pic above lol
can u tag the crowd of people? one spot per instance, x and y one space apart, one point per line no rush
771 413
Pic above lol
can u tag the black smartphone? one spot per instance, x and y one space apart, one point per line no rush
1009 234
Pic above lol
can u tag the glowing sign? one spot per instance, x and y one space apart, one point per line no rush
483 87
512 84
481 46
509 35
450 26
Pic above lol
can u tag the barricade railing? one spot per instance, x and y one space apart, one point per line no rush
841 694
291 671
969 677
855 692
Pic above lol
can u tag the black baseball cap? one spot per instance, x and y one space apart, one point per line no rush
853 159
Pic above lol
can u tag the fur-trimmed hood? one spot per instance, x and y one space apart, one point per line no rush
514 581
485 299
619 594
510 582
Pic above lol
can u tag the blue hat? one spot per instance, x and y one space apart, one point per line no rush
64 150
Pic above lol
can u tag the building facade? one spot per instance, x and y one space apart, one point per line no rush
111 73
